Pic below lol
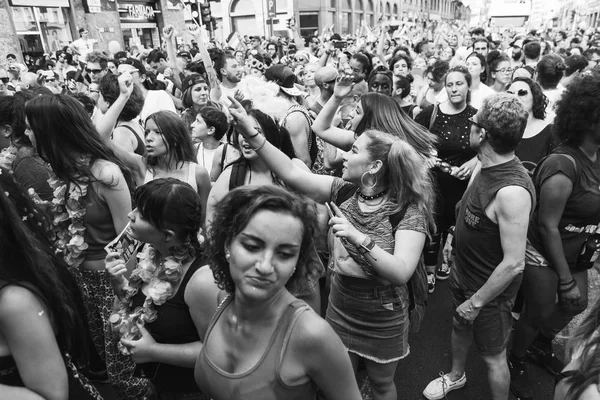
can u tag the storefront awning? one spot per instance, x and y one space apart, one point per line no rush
40 3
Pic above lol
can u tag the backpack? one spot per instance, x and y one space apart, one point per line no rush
417 284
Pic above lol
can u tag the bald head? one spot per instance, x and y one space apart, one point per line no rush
29 81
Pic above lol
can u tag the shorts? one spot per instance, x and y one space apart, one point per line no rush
370 319
491 329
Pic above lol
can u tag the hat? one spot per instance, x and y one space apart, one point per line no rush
185 54
325 75
137 64
284 77
191 80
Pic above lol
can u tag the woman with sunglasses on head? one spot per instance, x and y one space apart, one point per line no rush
376 238
258 249
250 170
169 148
90 204
563 232
42 318
450 122
538 139
165 301
500 71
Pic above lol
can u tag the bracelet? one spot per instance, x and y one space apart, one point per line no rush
566 283
565 289
253 136
261 146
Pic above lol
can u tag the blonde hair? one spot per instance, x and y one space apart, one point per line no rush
404 171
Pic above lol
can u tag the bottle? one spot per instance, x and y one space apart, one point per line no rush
589 252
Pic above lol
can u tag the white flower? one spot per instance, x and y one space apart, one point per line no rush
160 291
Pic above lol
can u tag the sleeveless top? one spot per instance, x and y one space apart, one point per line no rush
315 145
140 148
99 226
191 178
478 246
581 214
263 381
79 387
173 325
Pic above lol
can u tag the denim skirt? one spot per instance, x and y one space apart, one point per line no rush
371 319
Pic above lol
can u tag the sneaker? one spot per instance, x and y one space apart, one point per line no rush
430 282
440 387
543 355
519 379
443 271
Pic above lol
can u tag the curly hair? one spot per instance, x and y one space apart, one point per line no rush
550 71
235 211
168 203
578 109
438 70
540 101
504 118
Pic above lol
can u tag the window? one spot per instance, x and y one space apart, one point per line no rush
41 29
309 23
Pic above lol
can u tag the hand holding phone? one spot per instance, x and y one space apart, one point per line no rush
329 211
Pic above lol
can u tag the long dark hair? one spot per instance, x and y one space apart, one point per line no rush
12 113
540 101
177 139
62 127
484 74
27 257
383 113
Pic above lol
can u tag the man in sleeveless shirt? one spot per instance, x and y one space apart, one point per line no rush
491 232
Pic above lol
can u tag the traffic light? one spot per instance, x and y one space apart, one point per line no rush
205 12
194 11
213 23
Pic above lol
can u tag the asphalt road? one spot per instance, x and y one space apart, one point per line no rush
430 354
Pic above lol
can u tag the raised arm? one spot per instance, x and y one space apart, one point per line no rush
210 70
317 187
322 127
168 32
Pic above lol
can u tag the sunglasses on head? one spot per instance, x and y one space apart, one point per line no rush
93 71
477 124
520 92
5 80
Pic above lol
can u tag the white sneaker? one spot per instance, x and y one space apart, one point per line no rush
439 388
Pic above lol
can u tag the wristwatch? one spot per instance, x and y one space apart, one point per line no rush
366 246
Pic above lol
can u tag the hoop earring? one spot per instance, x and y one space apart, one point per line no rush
365 186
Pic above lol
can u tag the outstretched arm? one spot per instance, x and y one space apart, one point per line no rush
317 187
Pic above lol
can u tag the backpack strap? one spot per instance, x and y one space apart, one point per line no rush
223 155
238 174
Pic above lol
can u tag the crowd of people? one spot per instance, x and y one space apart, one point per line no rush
262 221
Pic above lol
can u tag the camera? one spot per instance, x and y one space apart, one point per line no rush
340 44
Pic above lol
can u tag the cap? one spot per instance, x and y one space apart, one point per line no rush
185 54
517 43
191 80
137 64
325 75
284 77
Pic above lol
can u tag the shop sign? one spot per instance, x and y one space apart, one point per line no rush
137 11
40 3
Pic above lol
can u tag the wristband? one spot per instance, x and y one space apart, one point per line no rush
366 246
568 288
566 283
261 146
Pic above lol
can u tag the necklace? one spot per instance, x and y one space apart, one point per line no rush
373 197
161 278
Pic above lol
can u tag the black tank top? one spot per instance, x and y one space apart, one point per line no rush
173 325
140 148
478 247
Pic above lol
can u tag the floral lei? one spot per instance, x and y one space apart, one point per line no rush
67 209
8 156
161 279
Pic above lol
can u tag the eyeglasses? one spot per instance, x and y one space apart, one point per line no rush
520 92
5 80
504 70
93 71
254 63
477 124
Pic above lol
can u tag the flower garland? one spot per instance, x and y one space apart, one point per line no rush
160 278
8 156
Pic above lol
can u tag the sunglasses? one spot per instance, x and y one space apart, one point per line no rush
93 71
254 63
520 92
477 124
504 70
5 80
50 79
